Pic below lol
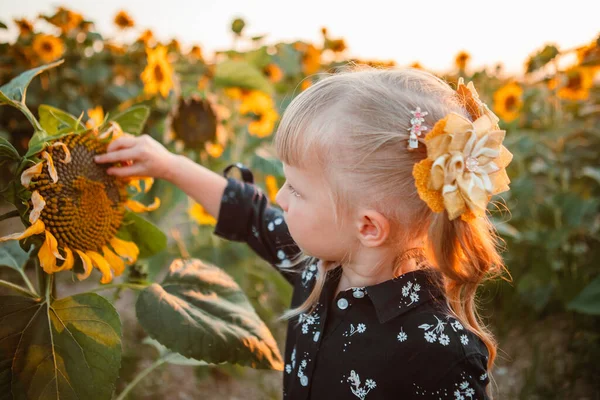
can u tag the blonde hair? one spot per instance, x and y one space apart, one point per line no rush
355 125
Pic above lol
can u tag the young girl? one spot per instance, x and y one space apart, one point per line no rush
382 233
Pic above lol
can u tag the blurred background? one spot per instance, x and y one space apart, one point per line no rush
218 75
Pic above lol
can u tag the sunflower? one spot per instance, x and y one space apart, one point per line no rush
416 65
123 20
147 37
261 105
272 189
195 52
48 47
25 27
311 57
95 117
199 214
158 74
65 19
306 83
273 72
508 101
78 208
574 84
198 124
461 60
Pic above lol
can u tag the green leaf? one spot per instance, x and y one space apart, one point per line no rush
16 89
588 301
3 25
239 73
69 349
173 357
7 151
38 141
267 165
200 312
12 255
54 120
147 236
133 119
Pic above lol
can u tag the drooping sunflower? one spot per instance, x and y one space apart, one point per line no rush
262 107
123 20
48 48
158 74
198 123
78 207
461 60
575 83
25 27
508 101
65 19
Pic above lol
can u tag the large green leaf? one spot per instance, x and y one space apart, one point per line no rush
7 151
16 90
588 301
239 73
69 349
55 121
148 237
12 255
200 312
132 120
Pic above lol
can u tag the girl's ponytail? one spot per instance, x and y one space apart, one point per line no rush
466 253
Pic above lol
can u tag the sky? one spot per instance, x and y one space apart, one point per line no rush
427 31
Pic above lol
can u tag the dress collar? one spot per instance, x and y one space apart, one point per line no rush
399 295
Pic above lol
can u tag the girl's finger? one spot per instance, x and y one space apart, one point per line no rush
135 169
116 156
122 142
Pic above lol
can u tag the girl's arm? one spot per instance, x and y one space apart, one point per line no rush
242 211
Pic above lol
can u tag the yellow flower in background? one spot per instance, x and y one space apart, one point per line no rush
79 208
147 37
158 74
508 101
262 106
25 27
462 59
196 52
199 214
574 84
48 47
311 57
416 65
66 20
306 83
123 20
95 117
214 150
273 72
272 189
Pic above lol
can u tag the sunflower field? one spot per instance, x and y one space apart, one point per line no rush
69 231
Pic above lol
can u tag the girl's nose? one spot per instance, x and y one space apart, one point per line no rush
280 199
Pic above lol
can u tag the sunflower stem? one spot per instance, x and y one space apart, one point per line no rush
10 214
23 108
28 282
19 289
119 285
141 376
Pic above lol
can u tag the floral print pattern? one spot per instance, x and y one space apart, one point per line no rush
411 292
360 328
357 389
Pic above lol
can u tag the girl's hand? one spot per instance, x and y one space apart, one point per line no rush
143 156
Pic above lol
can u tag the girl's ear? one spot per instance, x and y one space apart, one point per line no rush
373 228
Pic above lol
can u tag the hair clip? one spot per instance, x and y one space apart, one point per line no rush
416 128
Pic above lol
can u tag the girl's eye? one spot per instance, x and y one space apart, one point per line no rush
293 191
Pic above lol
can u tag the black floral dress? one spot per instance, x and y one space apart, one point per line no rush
392 340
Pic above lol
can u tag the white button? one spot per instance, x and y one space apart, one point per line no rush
359 294
304 380
342 303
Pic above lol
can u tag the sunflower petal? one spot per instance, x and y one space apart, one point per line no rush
30 173
138 207
102 265
125 249
51 168
116 263
35 229
87 265
66 150
49 253
148 182
38 205
68 263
